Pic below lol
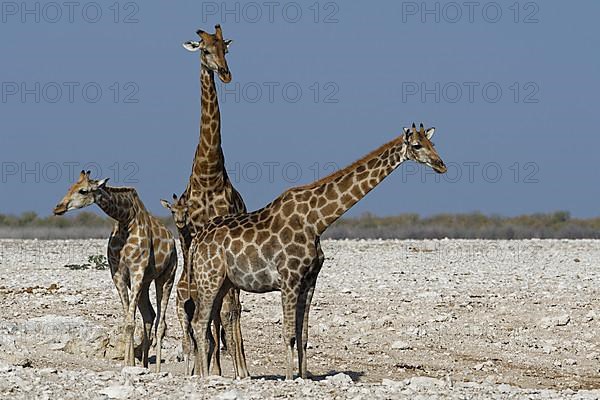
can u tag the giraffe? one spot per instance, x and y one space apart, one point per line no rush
209 193
277 248
140 250
184 305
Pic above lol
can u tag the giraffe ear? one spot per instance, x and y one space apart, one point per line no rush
429 133
407 133
102 183
165 204
227 43
191 46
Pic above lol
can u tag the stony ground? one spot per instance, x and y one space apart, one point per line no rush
390 319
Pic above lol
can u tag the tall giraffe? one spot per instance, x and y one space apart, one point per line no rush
140 250
277 248
210 193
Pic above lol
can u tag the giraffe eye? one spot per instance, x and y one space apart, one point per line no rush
416 146
83 191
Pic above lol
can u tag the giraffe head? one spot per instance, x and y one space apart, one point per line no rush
179 210
212 52
419 148
81 194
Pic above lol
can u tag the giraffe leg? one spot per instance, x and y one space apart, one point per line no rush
163 291
302 325
289 301
208 307
136 290
121 283
201 326
189 309
186 339
148 316
237 337
306 298
230 315
216 355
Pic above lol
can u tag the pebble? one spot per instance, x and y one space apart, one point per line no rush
425 382
134 371
392 383
118 391
5 367
560 320
230 395
400 345
339 379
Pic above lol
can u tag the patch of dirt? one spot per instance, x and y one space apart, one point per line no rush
451 318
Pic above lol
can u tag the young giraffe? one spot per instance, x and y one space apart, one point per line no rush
185 288
277 248
210 193
140 250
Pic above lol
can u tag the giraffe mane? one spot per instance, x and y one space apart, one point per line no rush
334 175
121 189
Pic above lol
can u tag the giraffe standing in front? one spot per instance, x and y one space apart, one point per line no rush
277 248
140 250
209 193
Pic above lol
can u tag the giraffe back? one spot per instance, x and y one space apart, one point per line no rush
144 246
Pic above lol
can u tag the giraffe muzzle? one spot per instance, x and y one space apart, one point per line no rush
225 75
440 167
60 209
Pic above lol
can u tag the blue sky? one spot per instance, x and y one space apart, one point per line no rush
511 88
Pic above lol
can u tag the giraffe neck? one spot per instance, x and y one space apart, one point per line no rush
121 204
185 237
335 194
208 169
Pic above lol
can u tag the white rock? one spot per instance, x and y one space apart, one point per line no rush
590 316
563 320
73 300
118 391
230 395
216 380
339 379
134 371
548 349
391 383
442 318
55 325
504 388
48 371
5 367
560 320
105 375
57 346
425 382
400 345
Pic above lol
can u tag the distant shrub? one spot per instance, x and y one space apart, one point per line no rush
466 226
98 262
559 224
